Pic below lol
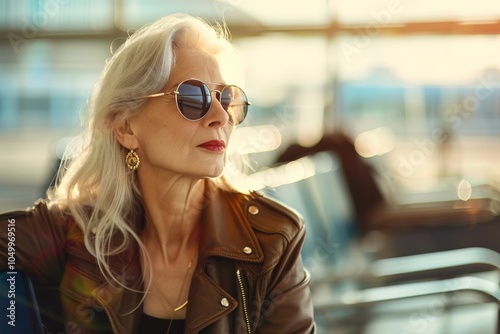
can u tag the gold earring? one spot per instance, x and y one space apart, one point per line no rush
132 160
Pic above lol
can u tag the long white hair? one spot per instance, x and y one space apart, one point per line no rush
97 188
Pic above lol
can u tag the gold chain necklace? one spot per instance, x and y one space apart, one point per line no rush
183 305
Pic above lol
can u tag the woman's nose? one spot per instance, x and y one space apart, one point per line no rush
217 115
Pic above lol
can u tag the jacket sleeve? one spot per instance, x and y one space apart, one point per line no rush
288 305
31 242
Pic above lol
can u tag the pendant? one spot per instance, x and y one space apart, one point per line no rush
180 307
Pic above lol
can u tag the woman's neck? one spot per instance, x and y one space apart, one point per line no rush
173 212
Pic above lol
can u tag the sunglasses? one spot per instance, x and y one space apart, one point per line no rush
194 99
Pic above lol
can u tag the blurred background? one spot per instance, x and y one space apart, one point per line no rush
414 83
411 87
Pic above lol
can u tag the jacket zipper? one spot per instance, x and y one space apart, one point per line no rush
244 299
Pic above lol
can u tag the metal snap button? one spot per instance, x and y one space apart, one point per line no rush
247 250
224 302
253 210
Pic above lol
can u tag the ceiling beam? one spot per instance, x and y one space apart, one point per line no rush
238 31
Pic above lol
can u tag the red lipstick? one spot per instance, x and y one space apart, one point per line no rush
214 145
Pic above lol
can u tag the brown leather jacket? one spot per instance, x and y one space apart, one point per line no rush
249 279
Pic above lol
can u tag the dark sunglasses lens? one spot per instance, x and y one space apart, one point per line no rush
235 102
194 99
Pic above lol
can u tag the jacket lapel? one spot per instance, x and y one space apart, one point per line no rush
226 229
227 233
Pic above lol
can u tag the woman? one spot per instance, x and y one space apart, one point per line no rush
143 234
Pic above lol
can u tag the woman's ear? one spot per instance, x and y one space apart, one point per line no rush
125 135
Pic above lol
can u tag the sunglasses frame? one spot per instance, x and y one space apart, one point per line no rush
219 92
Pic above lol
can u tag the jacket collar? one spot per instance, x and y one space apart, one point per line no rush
226 226
227 231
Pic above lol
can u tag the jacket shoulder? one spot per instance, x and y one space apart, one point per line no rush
40 208
39 205
16 214
271 216
40 236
